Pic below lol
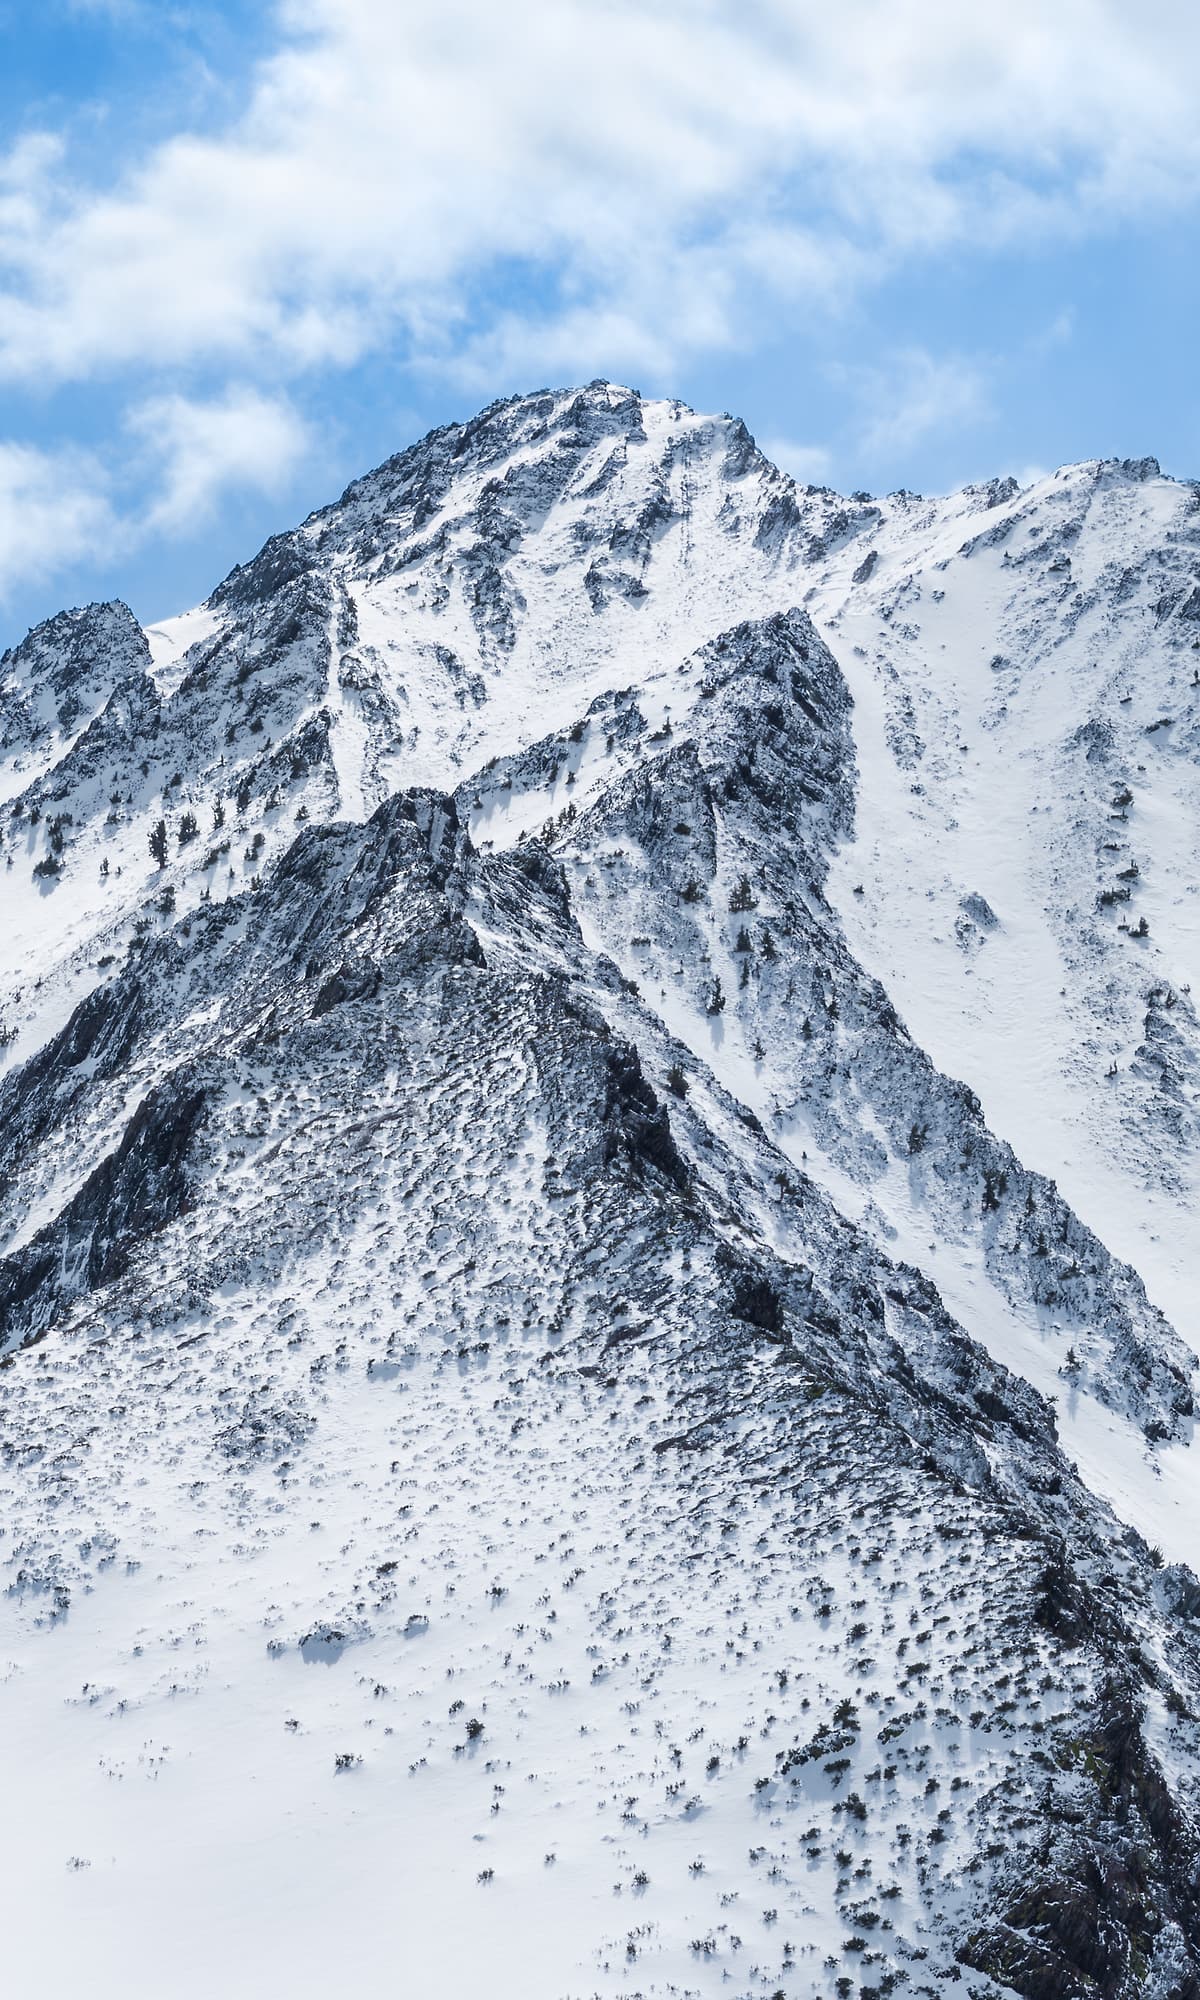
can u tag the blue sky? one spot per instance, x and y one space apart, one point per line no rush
248 250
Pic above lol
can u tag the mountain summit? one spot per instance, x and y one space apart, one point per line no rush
600 1146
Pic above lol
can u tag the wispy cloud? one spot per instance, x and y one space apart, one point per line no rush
810 464
1057 332
117 10
912 396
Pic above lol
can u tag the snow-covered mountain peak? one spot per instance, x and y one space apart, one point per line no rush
599 1130
58 679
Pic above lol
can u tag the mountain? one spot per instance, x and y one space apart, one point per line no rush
599 1146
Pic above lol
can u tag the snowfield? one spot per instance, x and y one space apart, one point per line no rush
598 1277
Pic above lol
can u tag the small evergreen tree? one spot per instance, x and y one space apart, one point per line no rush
743 897
716 999
158 842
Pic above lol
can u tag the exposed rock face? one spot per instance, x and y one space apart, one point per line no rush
61 676
477 1222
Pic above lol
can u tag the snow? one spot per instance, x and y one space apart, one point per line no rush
993 818
191 1823
172 640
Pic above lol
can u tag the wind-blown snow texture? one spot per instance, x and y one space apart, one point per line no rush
598 1278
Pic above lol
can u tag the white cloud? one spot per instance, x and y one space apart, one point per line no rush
54 510
195 451
665 166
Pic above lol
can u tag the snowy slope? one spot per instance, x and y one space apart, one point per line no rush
595 1284
1028 718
